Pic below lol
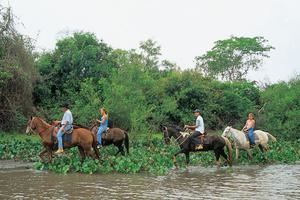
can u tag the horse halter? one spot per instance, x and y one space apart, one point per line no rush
30 126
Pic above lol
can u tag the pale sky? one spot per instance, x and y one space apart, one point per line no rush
183 28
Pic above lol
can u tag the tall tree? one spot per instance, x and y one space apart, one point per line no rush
17 73
231 59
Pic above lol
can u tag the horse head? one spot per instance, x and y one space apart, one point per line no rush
227 132
167 137
34 125
31 126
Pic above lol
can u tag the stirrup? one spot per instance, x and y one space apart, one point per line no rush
199 147
59 151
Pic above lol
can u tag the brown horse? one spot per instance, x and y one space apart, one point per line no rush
81 137
115 136
214 143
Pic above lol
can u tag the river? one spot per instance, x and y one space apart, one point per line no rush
239 182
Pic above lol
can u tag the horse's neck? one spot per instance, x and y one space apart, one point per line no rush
238 135
43 129
179 137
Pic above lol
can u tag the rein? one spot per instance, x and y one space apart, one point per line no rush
177 139
33 130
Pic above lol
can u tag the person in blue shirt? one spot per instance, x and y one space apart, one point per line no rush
103 125
66 125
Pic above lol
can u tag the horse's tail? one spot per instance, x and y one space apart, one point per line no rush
229 149
272 137
126 142
95 145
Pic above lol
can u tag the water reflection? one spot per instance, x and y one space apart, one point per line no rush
243 182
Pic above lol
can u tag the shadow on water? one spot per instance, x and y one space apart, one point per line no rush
239 182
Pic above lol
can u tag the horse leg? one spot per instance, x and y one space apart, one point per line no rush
217 155
187 157
174 157
263 149
50 154
42 153
250 157
88 151
237 151
120 150
223 154
82 154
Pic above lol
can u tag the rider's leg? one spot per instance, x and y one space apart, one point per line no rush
195 140
251 136
99 134
60 142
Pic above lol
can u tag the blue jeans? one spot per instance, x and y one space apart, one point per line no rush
101 129
60 134
251 136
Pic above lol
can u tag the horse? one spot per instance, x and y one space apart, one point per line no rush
83 138
115 136
242 142
214 143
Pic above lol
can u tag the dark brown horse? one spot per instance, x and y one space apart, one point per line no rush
212 143
83 138
115 136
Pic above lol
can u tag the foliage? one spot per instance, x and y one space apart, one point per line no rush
232 58
281 111
17 73
145 157
73 69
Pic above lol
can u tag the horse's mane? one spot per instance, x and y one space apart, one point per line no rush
175 128
41 119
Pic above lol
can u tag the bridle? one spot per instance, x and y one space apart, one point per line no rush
34 129
169 138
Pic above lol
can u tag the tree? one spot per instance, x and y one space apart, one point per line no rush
17 74
76 58
231 59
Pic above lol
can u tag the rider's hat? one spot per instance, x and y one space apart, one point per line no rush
65 105
197 111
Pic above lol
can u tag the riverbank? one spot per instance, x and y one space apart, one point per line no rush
145 156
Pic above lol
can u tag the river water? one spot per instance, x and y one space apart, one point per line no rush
239 182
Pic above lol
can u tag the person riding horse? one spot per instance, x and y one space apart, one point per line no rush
103 126
66 125
249 128
199 130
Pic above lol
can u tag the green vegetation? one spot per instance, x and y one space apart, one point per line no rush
146 156
231 59
141 92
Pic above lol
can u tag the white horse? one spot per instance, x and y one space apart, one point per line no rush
242 142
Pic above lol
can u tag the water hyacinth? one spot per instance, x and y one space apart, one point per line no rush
145 157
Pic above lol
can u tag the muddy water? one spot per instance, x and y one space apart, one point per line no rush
243 182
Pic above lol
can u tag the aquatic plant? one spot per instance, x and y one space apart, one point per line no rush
145 157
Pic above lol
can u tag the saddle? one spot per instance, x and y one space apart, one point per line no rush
67 136
203 138
105 134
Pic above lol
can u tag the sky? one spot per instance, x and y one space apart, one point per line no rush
183 28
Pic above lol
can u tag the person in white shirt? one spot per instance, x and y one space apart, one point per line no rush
66 125
199 130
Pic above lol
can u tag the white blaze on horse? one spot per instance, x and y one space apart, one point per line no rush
242 142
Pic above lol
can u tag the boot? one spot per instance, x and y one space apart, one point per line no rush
199 147
59 150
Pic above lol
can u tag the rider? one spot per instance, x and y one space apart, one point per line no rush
249 127
103 125
199 129
66 125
